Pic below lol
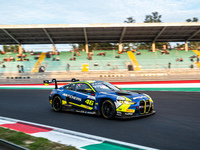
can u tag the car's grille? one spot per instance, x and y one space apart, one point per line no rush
147 106
144 107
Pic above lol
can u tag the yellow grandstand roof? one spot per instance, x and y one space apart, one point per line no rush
99 33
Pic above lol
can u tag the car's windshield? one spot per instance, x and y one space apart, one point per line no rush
104 87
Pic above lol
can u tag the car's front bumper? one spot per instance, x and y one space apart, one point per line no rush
124 115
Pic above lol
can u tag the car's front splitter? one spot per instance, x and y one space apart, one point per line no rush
124 115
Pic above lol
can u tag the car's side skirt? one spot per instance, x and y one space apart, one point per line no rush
72 108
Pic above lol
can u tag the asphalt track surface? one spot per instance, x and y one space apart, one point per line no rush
176 124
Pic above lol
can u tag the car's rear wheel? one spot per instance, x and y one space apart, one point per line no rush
57 103
108 109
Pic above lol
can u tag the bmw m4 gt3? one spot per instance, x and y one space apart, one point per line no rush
99 97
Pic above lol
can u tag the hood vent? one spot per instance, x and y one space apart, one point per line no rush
123 94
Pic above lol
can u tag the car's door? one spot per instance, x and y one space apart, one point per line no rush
68 92
84 96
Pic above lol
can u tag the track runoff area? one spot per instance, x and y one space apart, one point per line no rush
185 85
79 140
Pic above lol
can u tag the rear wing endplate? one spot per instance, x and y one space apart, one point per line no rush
47 82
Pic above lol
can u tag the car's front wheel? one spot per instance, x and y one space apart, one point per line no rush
108 109
57 103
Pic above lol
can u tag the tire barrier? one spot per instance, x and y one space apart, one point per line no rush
133 75
112 75
158 74
42 69
18 77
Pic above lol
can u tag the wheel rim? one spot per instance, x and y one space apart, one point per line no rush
107 110
56 103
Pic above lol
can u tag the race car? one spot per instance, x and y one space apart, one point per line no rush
100 98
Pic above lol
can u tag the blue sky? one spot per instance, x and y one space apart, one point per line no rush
94 11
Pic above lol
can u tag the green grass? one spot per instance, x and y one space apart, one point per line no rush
31 142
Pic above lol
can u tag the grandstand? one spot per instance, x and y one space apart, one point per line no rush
11 66
101 33
102 61
157 60
147 60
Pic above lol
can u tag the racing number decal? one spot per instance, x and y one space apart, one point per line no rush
89 102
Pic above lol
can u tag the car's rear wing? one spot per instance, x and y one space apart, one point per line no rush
46 82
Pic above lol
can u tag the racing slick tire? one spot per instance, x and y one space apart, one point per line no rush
57 103
108 109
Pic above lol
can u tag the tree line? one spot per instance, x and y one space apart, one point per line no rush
155 17
10 48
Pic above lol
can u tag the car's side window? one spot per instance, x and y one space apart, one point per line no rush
83 88
70 87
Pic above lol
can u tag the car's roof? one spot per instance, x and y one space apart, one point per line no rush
89 81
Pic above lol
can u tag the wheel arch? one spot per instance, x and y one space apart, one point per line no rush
103 99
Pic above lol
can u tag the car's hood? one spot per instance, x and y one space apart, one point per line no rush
130 95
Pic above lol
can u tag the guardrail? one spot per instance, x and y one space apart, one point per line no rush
5 145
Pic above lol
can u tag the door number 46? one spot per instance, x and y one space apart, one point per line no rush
89 102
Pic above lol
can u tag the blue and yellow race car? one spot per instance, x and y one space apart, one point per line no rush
99 97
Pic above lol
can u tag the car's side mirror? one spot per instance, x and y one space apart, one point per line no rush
90 91
93 93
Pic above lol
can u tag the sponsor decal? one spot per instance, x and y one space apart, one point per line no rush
85 112
104 93
128 114
119 113
129 110
88 112
91 97
72 97
60 90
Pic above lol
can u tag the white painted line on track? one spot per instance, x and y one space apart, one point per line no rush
173 85
66 138
181 85
5 122
69 137
27 86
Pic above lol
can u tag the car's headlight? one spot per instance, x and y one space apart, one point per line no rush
124 101
130 102
127 102
121 98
